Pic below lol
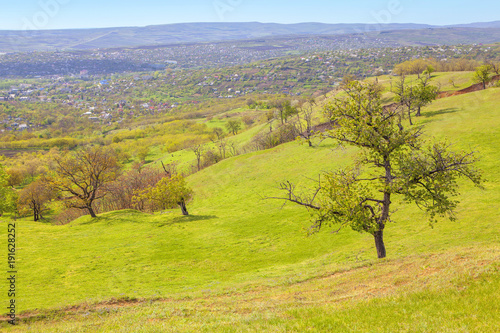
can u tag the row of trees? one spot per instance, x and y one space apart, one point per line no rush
91 178
417 66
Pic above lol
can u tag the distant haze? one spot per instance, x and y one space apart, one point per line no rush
81 39
72 14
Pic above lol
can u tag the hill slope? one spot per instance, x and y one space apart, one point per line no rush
81 39
240 261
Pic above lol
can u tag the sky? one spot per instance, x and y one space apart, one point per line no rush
68 14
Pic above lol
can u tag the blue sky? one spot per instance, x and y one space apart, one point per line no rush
59 14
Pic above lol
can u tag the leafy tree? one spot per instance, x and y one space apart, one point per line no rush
285 109
233 126
167 193
218 132
393 160
483 75
7 194
415 96
34 198
142 153
84 175
16 176
289 110
424 93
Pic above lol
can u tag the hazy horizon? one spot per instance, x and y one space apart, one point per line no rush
243 22
93 14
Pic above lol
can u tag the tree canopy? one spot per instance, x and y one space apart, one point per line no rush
7 195
483 75
167 193
393 160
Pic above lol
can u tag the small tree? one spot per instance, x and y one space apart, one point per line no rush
414 96
483 75
394 160
7 194
34 198
84 175
424 93
233 126
218 132
495 66
198 152
142 153
16 176
167 193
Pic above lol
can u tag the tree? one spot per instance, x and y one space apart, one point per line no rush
142 153
84 175
304 119
483 75
16 176
34 198
7 194
424 93
167 193
198 151
233 126
285 109
414 97
393 160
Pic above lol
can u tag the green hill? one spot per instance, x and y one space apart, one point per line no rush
243 263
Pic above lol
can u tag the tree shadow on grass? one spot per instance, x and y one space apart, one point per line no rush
439 112
187 219
98 219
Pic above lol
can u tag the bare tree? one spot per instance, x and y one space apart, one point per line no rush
198 151
304 119
84 175
233 126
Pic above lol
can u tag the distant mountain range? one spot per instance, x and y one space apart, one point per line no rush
84 39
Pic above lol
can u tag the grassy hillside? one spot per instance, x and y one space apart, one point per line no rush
241 263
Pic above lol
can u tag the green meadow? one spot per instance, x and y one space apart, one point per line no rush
241 262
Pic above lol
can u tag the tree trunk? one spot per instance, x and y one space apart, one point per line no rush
91 211
182 204
379 243
418 112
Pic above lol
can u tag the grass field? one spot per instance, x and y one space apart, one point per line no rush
241 263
